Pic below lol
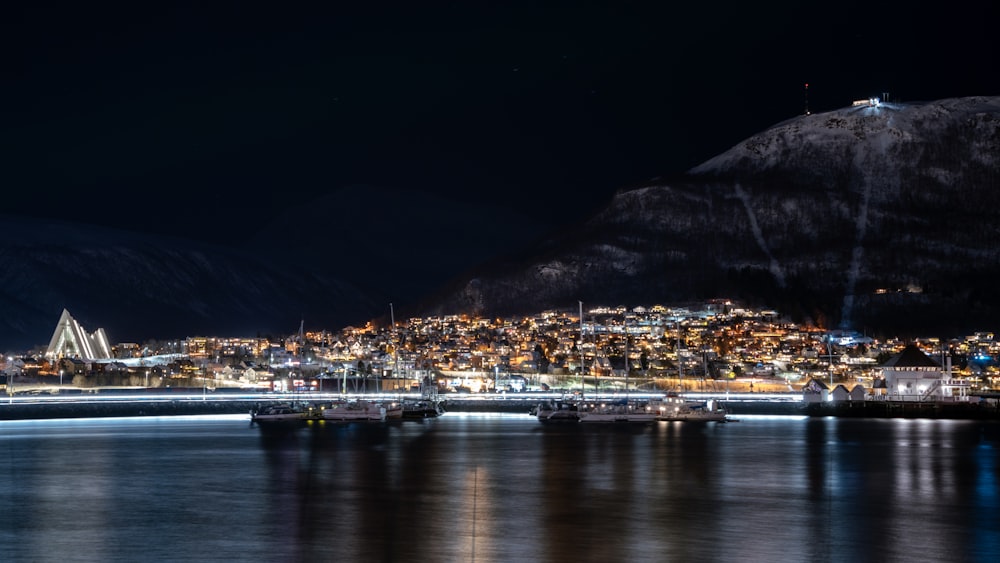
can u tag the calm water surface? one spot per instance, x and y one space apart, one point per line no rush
499 488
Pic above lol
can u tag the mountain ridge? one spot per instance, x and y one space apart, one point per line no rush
878 218
863 216
139 286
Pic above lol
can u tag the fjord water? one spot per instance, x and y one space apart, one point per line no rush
499 488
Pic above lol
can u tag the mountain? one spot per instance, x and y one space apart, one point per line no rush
138 287
331 262
880 218
874 218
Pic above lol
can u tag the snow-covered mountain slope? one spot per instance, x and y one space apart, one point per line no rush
872 217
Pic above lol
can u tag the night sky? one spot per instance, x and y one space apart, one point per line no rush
139 115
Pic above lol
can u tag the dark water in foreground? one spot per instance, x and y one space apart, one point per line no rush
499 488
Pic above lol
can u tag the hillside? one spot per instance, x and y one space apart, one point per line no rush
873 218
878 218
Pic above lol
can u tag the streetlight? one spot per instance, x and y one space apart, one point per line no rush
61 377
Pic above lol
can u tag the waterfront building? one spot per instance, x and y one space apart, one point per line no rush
815 391
840 393
912 375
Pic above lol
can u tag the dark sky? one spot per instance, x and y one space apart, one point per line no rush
141 114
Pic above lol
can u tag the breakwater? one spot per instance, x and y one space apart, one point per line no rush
101 409
512 405
518 405
906 409
126 408
123 407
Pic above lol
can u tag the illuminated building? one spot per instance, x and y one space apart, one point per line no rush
70 340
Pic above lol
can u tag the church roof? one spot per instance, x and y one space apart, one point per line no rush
911 357
70 340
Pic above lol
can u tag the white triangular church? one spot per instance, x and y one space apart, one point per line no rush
71 341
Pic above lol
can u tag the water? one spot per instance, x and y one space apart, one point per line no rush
499 488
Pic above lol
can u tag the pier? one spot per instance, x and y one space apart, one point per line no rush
139 403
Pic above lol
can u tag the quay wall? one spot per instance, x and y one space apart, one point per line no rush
125 408
866 409
906 409
516 405
102 409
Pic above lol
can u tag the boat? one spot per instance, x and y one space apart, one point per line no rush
280 412
675 408
422 408
354 410
622 410
428 405
393 410
557 411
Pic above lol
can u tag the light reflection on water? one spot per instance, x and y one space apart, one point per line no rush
499 488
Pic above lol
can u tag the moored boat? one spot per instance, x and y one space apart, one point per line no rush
676 408
355 410
282 412
622 410
422 408
393 410
557 411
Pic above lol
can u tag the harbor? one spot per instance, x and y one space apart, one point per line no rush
120 404
504 485
140 404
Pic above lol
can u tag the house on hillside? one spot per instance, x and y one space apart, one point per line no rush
114 368
72 366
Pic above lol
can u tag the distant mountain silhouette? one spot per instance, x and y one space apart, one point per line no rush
139 287
332 262
880 219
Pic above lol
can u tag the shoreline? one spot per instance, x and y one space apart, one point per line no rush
182 407
122 409
905 409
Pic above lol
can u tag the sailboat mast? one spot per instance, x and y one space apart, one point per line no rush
680 363
626 355
583 376
395 344
829 359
